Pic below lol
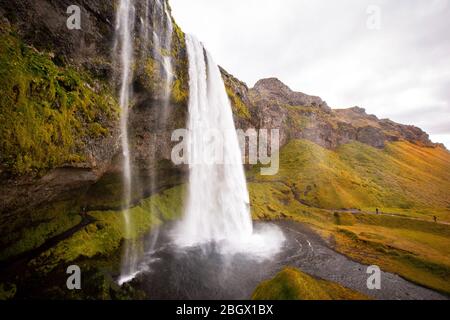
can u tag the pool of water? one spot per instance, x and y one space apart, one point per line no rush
206 272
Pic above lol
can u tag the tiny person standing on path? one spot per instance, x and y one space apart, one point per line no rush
435 219
378 211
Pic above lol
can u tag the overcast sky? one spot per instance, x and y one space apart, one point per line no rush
334 49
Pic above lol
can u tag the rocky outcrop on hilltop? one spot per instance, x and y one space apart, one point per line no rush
274 91
273 105
375 132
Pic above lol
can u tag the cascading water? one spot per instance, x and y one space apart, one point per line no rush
162 47
125 20
162 30
154 19
144 27
217 209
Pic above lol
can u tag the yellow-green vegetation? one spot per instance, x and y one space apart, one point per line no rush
179 37
180 87
153 79
302 117
107 233
239 107
408 183
179 94
417 250
297 119
46 112
7 291
41 224
292 284
356 175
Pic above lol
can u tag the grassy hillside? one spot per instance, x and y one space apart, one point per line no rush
402 176
292 284
408 183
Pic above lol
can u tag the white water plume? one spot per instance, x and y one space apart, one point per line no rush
218 205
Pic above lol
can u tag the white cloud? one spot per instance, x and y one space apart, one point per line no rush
324 48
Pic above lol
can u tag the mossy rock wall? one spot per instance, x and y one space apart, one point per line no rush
49 114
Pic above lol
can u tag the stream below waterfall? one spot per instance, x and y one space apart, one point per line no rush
202 272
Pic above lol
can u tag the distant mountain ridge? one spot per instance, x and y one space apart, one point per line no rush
272 104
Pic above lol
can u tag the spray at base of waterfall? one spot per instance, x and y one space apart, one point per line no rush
263 243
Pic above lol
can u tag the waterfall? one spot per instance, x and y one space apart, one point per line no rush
125 19
144 31
162 47
154 19
218 202
217 209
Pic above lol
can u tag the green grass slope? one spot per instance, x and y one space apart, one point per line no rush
292 284
401 176
408 183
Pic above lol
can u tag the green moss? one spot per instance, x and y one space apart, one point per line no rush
351 235
292 284
180 88
96 130
153 77
106 235
7 291
41 224
46 111
239 107
178 33
299 120
179 94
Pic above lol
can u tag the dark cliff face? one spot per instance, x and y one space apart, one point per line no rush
42 23
73 63
74 184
